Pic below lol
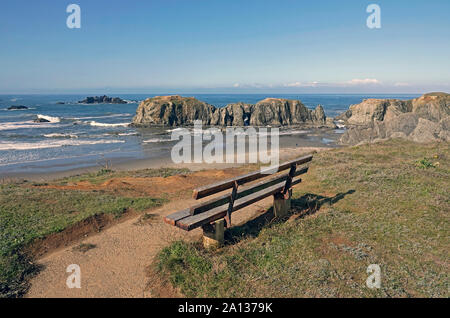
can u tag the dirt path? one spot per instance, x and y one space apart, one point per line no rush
116 266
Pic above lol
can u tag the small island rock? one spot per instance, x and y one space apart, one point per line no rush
102 100
17 107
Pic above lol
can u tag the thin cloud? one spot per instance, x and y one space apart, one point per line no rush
356 83
366 81
300 84
253 85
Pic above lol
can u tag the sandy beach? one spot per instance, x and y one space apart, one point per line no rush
288 146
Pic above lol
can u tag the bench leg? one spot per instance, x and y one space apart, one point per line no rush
213 234
281 206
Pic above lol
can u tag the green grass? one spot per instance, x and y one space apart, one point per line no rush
370 204
106 174
28 212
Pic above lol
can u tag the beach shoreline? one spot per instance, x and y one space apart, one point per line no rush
147 163
151 156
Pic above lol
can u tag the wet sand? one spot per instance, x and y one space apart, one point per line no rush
317 140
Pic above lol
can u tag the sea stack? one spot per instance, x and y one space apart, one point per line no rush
183 111
102 100
19 107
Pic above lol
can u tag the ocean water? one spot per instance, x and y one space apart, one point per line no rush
81 135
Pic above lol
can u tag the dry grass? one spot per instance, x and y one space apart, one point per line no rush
386 204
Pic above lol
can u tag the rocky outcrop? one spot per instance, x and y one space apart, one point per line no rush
284 112
172 111
183 111
41 120
17 107
102 100
424 119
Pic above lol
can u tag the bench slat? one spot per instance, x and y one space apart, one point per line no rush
228 184
174 217
224 199
191 222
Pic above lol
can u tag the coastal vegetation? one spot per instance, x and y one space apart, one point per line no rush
385 203
31 211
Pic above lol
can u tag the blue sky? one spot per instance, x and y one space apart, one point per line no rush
229 46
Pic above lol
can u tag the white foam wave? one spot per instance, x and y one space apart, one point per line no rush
53 144
96 124
49 118
96 117
244 132
153 140
326 140
12 110
340 124
129 134
56 135
294 132
24 124
175 129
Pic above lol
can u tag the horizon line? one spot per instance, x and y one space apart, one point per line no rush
214 93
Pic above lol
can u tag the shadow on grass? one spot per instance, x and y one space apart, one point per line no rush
308 204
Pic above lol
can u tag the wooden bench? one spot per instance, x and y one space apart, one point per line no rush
213 215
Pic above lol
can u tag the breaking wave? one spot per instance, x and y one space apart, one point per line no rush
23 125
49 118
53 144
153 140
96 117
96 124
56 135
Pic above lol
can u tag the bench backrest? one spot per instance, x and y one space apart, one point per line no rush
241 195
228 184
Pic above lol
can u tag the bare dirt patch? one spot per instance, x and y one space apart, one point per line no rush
84 247
79 231
154 186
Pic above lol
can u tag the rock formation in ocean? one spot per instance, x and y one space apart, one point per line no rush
41 120
183 111
17 107
423 119
102 100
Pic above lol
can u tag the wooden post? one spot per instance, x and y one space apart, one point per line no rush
213 234
230 205
288 183
282 201
281 205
